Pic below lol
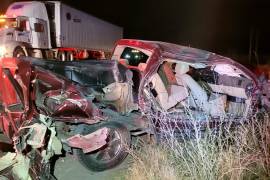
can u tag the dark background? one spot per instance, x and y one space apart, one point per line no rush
228 27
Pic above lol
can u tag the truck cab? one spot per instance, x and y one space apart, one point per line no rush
53 30
24 26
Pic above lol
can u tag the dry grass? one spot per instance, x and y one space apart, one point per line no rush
231 154
152 163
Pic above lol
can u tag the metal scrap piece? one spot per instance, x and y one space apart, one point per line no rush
7 160
20 165
90 142
37 134
20 170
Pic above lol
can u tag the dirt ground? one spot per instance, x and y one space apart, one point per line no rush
69 168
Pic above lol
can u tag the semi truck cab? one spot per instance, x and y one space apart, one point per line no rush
53 30
24 26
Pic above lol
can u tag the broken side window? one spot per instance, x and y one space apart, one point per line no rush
39 27
133 56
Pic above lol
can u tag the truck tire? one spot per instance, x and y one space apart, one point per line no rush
19 52
61 56
70 56
111 154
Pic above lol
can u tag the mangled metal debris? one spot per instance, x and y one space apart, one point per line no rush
19 165
42 113
90 142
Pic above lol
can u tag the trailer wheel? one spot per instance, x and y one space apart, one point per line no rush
70 56
61 55
19 52
110 155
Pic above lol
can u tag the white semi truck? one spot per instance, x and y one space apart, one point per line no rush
53 30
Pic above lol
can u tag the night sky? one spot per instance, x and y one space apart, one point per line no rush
222 26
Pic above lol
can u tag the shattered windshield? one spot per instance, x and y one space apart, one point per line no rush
8 23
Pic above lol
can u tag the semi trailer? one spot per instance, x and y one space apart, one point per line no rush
53 30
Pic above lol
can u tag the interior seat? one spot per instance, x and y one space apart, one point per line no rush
121 95
168 92
199 95
216 105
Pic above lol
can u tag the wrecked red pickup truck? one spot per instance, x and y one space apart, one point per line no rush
44 114
170 85
146 88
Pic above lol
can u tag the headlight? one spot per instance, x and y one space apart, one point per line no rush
3 51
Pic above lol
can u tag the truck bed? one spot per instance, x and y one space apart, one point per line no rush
95 74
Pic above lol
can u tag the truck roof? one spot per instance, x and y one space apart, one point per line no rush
27 8
183 53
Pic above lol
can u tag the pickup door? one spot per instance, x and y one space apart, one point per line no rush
14 77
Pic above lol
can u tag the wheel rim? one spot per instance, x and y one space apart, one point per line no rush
111 151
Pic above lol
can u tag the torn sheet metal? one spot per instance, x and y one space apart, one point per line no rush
54 146
21 168
19 164
7 160
36 134
90 142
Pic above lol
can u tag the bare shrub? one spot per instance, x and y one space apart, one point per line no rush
199 151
